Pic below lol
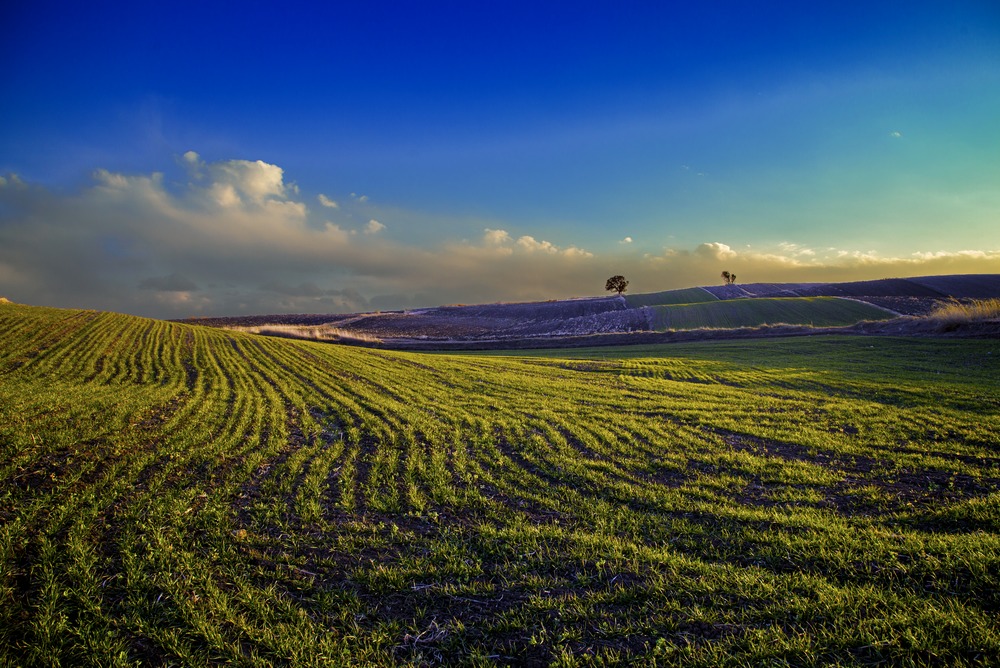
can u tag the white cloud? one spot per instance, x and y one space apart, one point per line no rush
147 244
796 249
256 180
337 233
531 245
626 240
327 202
497 241
943 255
285 208
573 251
716 250
496 237
896 134
114 181
225 195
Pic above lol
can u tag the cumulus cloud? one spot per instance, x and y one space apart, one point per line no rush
327 202
257 181
626 240
496 237
498 241
716 251
532 245
573 251
235 238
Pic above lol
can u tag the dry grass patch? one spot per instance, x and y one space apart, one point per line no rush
952 314
309 333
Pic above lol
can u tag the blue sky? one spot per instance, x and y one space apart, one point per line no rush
181 160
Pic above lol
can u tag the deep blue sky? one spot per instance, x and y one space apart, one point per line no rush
792 140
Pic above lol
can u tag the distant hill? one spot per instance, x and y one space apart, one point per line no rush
709 307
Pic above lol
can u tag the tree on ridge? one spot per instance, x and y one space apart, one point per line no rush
617 283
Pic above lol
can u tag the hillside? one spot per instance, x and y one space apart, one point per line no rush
181 495
712 307
756 312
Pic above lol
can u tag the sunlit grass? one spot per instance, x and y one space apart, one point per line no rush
732 313
951 314
172 494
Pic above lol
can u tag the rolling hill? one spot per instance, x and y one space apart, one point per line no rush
813 311
800 305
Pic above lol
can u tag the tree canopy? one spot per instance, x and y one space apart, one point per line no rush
617 283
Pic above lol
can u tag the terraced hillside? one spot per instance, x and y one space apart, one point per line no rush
179 495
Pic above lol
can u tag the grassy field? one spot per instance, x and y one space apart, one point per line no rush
682 296
177 495
816 311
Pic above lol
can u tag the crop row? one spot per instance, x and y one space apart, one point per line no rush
171 493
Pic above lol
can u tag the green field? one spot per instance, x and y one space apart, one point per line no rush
178 495
730 313
682 296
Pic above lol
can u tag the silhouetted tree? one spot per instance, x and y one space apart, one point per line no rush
617 283
728 278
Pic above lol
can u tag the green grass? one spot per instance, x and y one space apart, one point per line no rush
178 495
816 311
682 296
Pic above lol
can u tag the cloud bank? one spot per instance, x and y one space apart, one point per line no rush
235 237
